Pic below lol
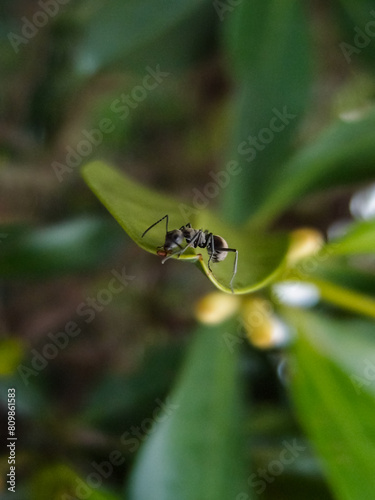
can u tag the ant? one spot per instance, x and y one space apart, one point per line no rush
217 247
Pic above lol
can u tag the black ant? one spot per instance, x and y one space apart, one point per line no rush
217 247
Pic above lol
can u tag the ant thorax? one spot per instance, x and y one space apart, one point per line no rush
188 233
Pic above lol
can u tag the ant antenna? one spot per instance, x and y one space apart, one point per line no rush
165 217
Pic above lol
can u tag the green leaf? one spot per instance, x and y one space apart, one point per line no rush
59 482
118 399
195 448
71 246
342 154
360 239
334 391
360 12
338 270
136 208
116 30
11 354
356 39
345 298
268 42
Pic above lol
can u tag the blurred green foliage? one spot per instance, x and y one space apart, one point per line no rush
119 393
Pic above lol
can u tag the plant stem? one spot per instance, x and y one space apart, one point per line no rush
345 298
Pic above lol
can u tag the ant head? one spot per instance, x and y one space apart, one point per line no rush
173 239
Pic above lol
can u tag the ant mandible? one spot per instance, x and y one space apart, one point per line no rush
216 246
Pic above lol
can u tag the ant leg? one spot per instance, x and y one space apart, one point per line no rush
208 244
212 247
180 252
165 217
234 266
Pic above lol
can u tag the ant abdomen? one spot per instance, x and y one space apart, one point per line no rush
218 254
